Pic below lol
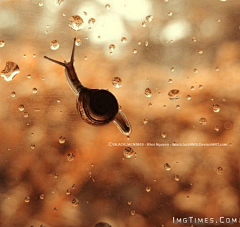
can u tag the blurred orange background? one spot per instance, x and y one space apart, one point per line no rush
190 45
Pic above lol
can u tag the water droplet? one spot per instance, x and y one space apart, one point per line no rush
10 71
128 152
54 45
25 114
29 76
55 209
146 43
76 22
148 189
112 47
216 128
55 176
42 196
200 51
219 170
172 69
194 39
134 51
148 92
150 104
91 21
13 94
102 224
40 4
33 146
167 167
21 107
144 24
123 39
200 86
202 121
188 97
192 88
62 140
149 18
34 90
70 156
24 55
68 192
176 178
27 199
139 43
145 121
195 70
74 186
75 202
2 43
174 95
170 13
170 81
163 135
58 2
216 108
228 125
133 212
78 42
107 6
129 203
216 69
117 82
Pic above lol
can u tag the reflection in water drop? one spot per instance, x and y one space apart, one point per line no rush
148 189
167 167
2 43
216 108
34 90
219 170
27 199
112 47
148 92
54 45
21 107
76 22
13 94
117 82
174 95
128 152
188 97
10 71
70 156
202 121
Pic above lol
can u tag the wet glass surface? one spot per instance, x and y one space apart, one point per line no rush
173 66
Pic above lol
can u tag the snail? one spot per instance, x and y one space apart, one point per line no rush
96 106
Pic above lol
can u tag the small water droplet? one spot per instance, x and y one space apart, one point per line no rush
192 88
40 4
13 94
21 107
219 170
107 6
216 69
74 186
128 152
200 51
216 128
133 212
148 189
135 51
123 39
228 125
172 69
68 192
10 71
33 146
112 47
176 178
144 24
195 70
34 90
216 108
145 121
129 203
55 176
150 104
170 81
76 22
139 43
202 121
75 202
70 156
194 39
148 92
42 196
58 2
174 95
200 86
167 167
170 13
91 21
2 43
146 43
54 45
78 42
117 82
27 199
25 114
149 18
62 140
163 135
188 97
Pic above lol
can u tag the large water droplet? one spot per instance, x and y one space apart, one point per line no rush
128 152
174 95
10 71
76 22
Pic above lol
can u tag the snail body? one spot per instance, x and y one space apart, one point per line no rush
96 106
